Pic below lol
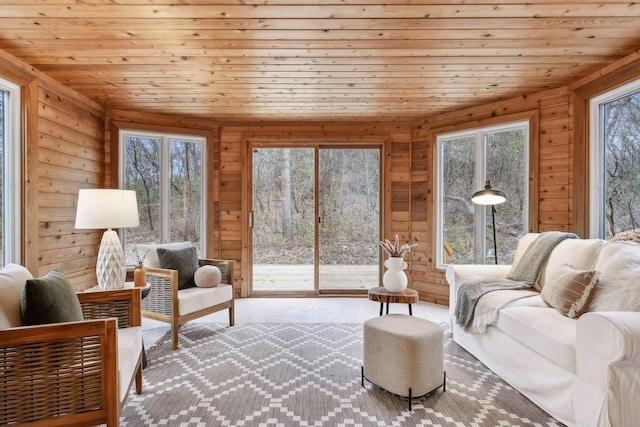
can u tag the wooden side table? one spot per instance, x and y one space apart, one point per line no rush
381 295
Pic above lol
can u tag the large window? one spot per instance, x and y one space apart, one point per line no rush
615 161
465 160
168 174
9 172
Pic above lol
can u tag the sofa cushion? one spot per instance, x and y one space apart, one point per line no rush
184 260
581 254
50 299
149 252
12 280
570 291
618 271
544 330
529 301
193 299
129 352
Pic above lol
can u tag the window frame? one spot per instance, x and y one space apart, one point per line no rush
480 215
596 155
165 139
11 190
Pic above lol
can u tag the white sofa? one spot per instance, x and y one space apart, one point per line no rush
76 373
583 371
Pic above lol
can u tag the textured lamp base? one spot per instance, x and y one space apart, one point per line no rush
111 268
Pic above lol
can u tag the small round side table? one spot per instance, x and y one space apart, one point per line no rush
381 295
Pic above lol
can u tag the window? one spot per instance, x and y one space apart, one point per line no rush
167 172
615 158
464 161
9 172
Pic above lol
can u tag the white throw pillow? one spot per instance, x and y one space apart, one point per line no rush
619 278
150 254
207 276
12 280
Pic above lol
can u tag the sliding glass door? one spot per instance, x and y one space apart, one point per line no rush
349 220
315 219
282 219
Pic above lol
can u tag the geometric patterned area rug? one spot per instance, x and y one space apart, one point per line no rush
285 375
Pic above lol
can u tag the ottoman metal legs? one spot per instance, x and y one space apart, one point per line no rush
404 355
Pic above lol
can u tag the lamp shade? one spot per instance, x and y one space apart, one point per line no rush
107 208
488 196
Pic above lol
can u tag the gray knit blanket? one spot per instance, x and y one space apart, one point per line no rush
524 275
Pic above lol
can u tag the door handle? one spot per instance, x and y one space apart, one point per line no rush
251 219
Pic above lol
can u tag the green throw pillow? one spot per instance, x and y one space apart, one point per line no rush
49 299
184 260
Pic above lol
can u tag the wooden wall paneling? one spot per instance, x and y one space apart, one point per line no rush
70 155
580 175
232 216
30 183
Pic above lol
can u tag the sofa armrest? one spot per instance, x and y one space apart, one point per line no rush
607 391
69 369
123 304
458 274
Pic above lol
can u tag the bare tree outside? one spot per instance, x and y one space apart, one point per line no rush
621 127
504 165
143 173
284 222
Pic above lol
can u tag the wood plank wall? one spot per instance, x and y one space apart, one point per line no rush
64 150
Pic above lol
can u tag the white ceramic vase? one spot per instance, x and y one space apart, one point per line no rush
394 279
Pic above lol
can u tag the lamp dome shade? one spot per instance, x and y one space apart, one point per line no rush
106 208
488 196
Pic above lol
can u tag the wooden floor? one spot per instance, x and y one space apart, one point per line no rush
297 278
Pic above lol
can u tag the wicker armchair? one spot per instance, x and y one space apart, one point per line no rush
168 304
74 373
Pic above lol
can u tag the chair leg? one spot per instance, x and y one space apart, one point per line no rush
174 334
232 319
139 380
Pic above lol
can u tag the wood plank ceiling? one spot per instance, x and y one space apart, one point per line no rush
315 59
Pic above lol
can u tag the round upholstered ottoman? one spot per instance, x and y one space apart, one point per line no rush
403 355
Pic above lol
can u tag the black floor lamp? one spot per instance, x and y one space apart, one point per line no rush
490 196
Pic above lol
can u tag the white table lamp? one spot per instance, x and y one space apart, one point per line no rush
108 208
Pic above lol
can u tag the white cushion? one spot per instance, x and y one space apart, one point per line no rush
581 254
530 301
129 351
150 254
543 330
191 300
12 279
618 278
